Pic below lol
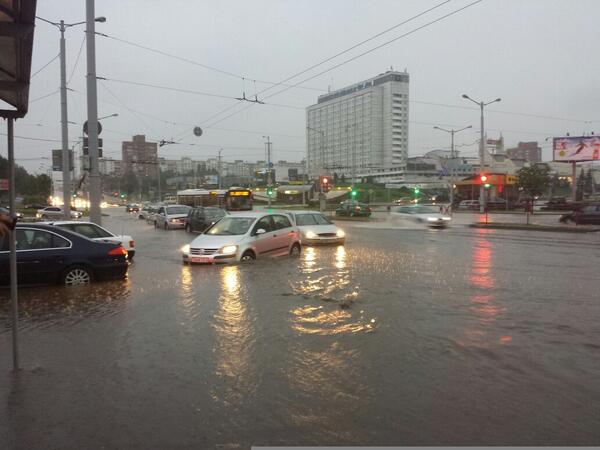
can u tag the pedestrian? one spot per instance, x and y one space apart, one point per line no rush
7 223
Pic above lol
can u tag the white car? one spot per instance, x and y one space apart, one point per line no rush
423 214
54 212
171 216
315 228
97 233
244 237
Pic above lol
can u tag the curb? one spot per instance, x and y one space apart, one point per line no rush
513 226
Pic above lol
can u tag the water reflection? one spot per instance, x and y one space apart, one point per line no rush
234 341
330 293
483 307
46 306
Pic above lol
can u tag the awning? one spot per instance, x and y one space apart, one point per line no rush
17 19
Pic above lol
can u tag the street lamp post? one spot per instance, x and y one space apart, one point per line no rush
66 160
322 169
269 179
220 171
482 199
452 157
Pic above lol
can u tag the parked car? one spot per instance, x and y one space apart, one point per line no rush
133 207
199 219
353 208
558 204
315 228
585 215
145 212
49 254
244 237
429 216
97 233
171 216
54 212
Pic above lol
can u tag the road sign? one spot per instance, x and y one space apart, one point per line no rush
57 160
85 127
86 148
3 184
197 131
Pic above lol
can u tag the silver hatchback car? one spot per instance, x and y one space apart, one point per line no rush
244 237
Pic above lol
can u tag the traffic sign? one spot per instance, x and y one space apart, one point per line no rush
3 184
85 127
197 131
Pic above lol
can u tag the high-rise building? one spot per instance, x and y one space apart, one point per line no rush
140 156
360 128
529 151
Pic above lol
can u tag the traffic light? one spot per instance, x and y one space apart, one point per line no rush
353 193
483 178
270 191
487 185
416 191
122 195
74 194
325 181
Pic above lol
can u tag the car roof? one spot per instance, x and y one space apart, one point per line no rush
67 222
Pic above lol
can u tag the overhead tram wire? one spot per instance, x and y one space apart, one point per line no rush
44 66
76 60
196 63
360 55
282 83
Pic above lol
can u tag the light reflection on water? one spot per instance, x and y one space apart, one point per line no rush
332 308
234 351
484 308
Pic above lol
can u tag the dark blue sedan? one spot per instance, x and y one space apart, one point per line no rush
49 254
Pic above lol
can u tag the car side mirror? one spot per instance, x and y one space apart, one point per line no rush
260 231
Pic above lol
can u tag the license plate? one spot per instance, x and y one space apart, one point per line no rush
200 259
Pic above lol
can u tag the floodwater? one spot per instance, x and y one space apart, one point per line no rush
404 336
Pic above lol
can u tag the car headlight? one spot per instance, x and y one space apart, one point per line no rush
185 248
432 219
311 235
447 218
228 249
340 233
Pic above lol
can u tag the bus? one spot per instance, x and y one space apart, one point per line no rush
232 199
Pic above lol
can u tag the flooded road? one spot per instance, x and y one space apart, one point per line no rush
401 337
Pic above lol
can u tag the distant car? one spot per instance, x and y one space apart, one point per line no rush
49 254
244 237
469 204
171 216
54 212
134 207
145 212
558 204
18 214
97 233
586 215
199 219
427 215
315 228
353 209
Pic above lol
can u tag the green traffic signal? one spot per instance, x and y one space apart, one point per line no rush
354 193
269 191
416 190
487 185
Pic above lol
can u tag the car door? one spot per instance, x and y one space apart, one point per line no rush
160 216
267 242
285 233
40 255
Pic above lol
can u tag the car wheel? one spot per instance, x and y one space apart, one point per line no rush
44 217
295 250
76 275
248 256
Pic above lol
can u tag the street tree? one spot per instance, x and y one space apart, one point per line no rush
533 181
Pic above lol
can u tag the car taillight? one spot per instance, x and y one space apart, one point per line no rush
131 244
117 251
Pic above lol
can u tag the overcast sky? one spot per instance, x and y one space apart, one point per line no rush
539 56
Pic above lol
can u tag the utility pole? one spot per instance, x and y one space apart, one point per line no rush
66 160
158 174
92 106
220 172
482 197
269 179
452 157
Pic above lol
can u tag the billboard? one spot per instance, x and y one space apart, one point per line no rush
576 148
57 160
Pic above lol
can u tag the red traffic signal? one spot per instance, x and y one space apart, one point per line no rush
483 178
325 182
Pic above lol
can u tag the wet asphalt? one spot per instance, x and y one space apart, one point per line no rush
404 336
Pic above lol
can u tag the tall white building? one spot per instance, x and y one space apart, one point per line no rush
361 128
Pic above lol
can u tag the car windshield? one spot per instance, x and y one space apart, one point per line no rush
424 210
231 226
214 213
178 209
305 219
